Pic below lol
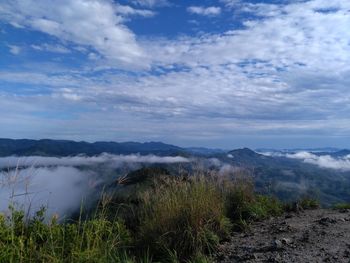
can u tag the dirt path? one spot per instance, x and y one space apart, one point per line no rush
309 236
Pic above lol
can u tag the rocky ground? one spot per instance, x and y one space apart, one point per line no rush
308 236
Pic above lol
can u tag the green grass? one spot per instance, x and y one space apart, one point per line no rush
172 219
94 240
305 203
309 203
342 206
243 205
186 216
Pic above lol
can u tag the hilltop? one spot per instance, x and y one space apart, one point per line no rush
309 236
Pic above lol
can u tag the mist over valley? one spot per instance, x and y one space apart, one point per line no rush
65 181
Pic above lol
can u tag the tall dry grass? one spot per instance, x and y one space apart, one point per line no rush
183 215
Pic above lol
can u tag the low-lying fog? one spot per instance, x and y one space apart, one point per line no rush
323 161
62 184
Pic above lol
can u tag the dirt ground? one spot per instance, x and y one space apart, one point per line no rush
308 236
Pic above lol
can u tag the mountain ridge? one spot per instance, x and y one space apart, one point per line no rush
50 147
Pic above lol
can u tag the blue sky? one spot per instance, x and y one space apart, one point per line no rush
225 73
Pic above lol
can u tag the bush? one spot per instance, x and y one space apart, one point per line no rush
305 203
186 216
244 205
309 203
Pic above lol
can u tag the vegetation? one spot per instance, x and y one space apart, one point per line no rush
94 240
309 203
305 203
342 206
244 205
184 216
173 219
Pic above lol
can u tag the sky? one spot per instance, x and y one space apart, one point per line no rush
225 73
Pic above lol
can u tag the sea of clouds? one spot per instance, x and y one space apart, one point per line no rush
341 163
324 161
58 183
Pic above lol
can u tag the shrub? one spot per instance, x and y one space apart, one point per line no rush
186 216
244 205
305 203
309 203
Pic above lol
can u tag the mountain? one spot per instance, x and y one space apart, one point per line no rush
48 147
290 179
294 150
204 151
247 157
341 153
284 177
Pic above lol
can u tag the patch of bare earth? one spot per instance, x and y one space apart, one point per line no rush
309 236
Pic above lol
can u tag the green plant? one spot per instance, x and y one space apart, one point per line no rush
169 219
342 206
244 205
309 203
92 240
186 216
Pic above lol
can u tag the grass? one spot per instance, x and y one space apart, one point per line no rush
184 216
173 219
305 203
243 205
309 203
342 206
94 240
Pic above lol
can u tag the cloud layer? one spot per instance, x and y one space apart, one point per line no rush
116 160
61 189
323 161
58 183
98 24
205 11
280 71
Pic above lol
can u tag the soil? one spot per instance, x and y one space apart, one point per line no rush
309 236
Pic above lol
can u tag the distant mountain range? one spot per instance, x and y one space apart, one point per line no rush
285 177
290 179
48 147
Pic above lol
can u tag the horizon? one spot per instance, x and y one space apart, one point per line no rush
216 73
189 147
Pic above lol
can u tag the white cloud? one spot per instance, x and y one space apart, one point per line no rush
277 41
15 50
111 159
284 73
324 161
96 24
231 3
58 184
61 189
151 3
204 11
128 10
52 48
